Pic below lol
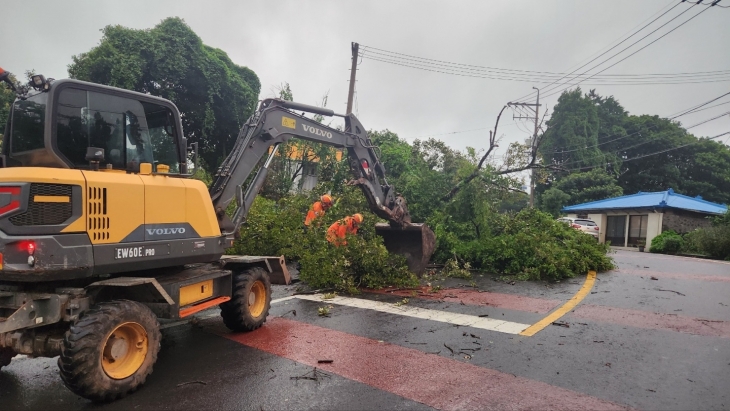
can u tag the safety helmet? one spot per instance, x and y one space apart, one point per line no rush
357 217
326 199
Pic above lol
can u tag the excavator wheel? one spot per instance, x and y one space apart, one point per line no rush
249 305
6 354
110 350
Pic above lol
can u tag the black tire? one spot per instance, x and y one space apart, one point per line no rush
6 354
242 313
87 355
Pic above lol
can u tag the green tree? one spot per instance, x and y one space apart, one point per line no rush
571 137
589 132
214 95
589 186
553 200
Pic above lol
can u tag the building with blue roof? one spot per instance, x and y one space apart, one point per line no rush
630 220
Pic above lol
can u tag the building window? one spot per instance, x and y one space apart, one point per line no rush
616 230
637 228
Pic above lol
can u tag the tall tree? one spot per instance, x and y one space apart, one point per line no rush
571 137
214 95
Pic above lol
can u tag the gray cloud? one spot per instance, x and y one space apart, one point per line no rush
307 43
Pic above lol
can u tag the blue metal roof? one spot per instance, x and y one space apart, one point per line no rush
661 199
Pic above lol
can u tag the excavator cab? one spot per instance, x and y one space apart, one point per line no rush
53 126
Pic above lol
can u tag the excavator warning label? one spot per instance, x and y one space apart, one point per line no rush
288 122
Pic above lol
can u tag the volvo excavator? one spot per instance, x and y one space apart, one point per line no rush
103 232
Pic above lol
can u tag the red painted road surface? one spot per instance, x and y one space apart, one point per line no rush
433 380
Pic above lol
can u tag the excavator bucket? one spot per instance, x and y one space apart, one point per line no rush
415 242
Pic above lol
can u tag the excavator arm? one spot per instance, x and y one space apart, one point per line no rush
277 121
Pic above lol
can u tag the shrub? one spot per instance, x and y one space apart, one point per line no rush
714 241
668 242
691 244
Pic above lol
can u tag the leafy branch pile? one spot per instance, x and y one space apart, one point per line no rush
529 245
276 228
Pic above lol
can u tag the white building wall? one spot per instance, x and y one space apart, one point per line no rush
653 228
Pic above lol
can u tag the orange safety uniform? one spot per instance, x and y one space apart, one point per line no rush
338 231
318 209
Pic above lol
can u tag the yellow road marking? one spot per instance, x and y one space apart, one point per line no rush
563 309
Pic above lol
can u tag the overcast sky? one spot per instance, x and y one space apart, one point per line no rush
307 43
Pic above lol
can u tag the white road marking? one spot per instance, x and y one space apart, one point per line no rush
278 300
415 312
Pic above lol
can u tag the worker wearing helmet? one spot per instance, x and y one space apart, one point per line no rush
318 209
340 229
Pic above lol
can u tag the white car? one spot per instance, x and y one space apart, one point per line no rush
583 224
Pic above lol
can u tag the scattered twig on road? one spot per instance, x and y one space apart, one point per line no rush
710 321
671 291
192 382
450 349
654 278
314 375
566 325
293 312
484 315
597 341
475 336
325 361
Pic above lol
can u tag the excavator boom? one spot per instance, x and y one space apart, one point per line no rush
275 122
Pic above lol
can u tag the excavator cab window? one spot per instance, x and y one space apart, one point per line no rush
27 124
130 131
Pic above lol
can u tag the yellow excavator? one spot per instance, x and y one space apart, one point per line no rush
102 232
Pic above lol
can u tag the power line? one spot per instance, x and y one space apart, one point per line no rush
569 149
621 42
707 108
662 36
390 56
651 154
697 78
643 142
701 105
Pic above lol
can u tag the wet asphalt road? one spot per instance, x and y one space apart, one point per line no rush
634 341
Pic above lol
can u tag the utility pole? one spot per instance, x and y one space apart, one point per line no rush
533 144
355 50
